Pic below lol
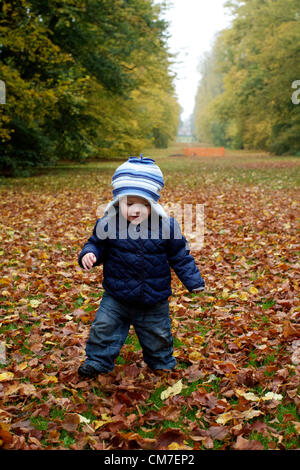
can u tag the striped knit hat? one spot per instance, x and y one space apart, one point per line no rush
138 177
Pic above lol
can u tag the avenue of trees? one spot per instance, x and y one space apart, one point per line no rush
85 79
248 80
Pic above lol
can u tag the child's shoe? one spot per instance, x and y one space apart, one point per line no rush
87 371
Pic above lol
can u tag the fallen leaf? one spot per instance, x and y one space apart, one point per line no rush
2 352
176 446
6 376
218 432
249 414
84 420
171 391
5 436
34 303
245 444
272 396
27 389
290 330
71 421
195 356
170 436
247 395
225 417
104 420
243 296
236 414
49 379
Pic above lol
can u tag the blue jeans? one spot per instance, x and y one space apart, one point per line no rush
110 329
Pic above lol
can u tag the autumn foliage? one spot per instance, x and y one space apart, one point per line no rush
85 79
248 93
237 344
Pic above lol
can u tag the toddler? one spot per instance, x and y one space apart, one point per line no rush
137 243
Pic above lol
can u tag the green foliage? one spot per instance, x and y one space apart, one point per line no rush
244 97
84 80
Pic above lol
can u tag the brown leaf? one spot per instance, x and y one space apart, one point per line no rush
244 444
208 443
227 367
290 330
5 435
169 436
218 432
193 373
131 370
71 421
141 442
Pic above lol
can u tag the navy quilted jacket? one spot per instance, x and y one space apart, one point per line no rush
137 270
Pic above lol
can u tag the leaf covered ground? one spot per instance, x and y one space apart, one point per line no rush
237 345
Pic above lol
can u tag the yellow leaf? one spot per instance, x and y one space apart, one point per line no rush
198 339
176 446
62 264
104 420
50 379
34 303
195 356
171 391
243 296
232 296
253 290
6 376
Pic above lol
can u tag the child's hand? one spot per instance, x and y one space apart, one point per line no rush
88 260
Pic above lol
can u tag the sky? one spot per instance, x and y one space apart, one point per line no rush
192 26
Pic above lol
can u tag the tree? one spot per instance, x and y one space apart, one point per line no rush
257 66
76 73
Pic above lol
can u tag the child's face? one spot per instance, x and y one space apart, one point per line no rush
134 208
